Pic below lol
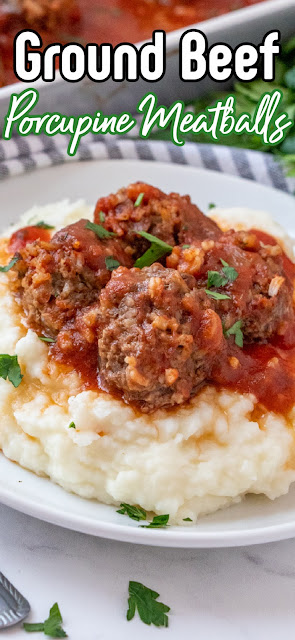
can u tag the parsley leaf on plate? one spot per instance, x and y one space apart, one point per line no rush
43 225
100 231
211 205
156 251
236 331
216 279
11 264
217 296
50 627
157 522
139 200
111 263
45 339
145 601
135 513
230 273
9 368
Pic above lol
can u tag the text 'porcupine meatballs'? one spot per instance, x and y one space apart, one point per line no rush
245 280
141 207
55 279
158 336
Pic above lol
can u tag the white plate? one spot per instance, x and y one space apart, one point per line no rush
254 520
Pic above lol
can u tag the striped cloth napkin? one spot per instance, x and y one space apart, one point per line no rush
20 155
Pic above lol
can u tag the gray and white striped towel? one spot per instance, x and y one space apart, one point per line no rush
20 155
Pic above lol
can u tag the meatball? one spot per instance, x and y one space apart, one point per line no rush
258 291
57 278
141 207
49 14
158 336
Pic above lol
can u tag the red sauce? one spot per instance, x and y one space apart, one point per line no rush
266 370
24 236
111 21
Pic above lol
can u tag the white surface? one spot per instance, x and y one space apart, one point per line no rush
214 594
255 519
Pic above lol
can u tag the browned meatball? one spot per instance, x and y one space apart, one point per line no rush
48 14
260 293
158 336
172 218
57 278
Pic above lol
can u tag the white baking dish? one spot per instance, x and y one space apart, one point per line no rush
245 25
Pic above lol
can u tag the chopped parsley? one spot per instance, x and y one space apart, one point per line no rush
135 513
236 331
100 231
11 264
10 369
157 522
72 425
156 251
187 519
230 273
217 296
45 339
186 246
111 263
43 225
211 205
145 601
102 216
216 279
139 199
50 627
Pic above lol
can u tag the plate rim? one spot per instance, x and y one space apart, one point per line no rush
176 537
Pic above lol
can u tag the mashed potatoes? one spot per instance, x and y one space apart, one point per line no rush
206 455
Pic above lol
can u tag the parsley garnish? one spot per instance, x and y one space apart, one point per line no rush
157 522
135 513
230 273
156 251
187 519
11 264
9 368
217 296
145 601
139 199
211 205
236 331
111 263
43 225
45 339
50 627
186 246
216 279
100 231
102 216
72 425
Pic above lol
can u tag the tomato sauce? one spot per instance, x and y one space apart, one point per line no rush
24 236
110 21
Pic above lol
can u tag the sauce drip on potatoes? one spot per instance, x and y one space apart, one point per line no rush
217 310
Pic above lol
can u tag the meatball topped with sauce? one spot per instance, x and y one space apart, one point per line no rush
244 279
141 207
57 278
158 336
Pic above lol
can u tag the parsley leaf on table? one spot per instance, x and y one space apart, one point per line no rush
9 368
145 601
50 627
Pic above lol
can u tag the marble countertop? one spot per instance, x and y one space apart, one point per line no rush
239 593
